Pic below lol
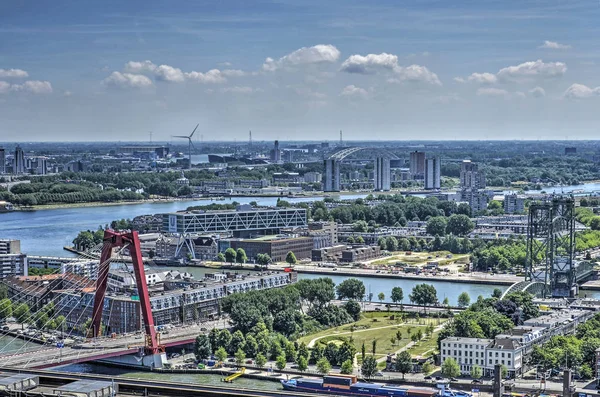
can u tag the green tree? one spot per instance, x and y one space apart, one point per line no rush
353 309
351 288
436 226
381 297
347 367
240 357
21 313
363 351
220 257
459 225
427 368
369 367
237 342
397 295
497 293
585 371
221 354
263 259
224 339
323 366
251 346
261 360
450 368
464 299
403 363
6 309
423 295
230 255
240 256
476 372
374 346
291 258
280 362
503 371
302 363
202 347
290 352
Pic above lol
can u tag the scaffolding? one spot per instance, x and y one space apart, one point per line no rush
551 246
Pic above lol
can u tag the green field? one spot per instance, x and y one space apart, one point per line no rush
382 327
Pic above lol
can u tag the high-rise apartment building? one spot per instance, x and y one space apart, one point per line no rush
276 153
382 174
332 176
470 176
417 164
513 203
2 161
432 173
19 161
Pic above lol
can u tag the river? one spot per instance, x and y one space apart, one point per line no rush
46 232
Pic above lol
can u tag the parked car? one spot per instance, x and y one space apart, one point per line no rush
477 382
379 373
438 378
453 380
428 377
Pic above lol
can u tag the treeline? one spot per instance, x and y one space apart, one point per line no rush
48 193
394 210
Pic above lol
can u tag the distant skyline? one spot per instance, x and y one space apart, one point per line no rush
299 70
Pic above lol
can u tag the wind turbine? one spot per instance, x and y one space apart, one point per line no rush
190 144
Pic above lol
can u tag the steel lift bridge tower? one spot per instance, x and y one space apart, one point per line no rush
113 239
551 246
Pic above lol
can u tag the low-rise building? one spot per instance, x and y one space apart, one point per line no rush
277 247
362 253
466 351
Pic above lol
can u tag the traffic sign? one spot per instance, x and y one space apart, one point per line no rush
60 345
474 390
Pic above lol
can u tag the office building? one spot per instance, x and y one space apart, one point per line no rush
417 165
382 174
276 247
243 220
332 176
470 176
19 161
330 228
2 161
513 204
432 173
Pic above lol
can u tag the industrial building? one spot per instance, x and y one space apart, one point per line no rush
241 222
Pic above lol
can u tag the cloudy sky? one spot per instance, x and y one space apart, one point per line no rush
299 69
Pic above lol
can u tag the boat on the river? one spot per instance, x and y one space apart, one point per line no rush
348 385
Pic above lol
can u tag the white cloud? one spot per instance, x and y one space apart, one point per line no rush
169 74
67 93
30 86
483 78
172 74
213 76
373 63
532 70
4 87
492 92
581 91
553 45
321 53
354 91
537 92
13 73
460 80
370 63
127 80
140 67
417 73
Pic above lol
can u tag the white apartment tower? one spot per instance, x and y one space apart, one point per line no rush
432 173
382 174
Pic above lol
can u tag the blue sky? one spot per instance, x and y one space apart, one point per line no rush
114 70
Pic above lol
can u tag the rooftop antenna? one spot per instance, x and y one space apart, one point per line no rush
190 144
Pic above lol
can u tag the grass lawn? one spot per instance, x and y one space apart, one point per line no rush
379 326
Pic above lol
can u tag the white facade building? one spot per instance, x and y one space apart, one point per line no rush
382 174
466 351
432 173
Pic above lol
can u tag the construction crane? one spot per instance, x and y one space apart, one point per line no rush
190 144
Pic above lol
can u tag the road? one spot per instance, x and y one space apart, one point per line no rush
49 355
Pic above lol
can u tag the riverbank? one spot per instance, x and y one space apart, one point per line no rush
467 278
